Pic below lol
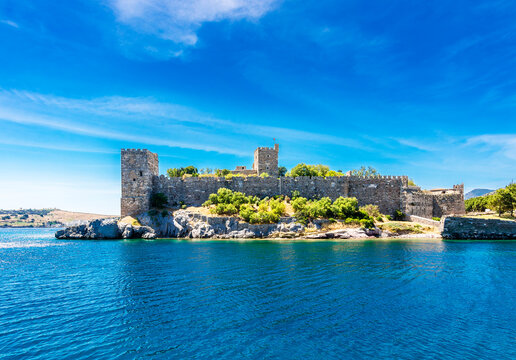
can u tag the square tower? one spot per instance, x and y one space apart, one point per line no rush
266 160
139 166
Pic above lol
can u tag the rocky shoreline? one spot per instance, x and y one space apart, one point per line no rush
190 225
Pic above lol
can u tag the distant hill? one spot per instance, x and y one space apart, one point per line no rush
476 192
45 218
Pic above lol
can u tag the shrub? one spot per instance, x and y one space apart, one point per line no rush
352 221
436 218
158 200
379 218
371 210
343 208
246 211
282 171
264 175
294 194
225 209
367 223
277 207
299 203
319 208
398 215
164 213
389 217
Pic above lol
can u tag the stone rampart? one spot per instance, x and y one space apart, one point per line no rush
463 228
140 179
382 191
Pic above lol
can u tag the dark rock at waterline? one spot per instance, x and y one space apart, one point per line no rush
106 229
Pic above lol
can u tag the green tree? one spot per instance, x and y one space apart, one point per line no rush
363 171
282 171
303 169
179 172
501 201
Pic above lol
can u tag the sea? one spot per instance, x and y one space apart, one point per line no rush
177 299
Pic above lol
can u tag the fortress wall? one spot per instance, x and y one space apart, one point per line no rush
417 203
315 187
447 204
384 191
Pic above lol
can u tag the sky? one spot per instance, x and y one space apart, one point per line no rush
424 89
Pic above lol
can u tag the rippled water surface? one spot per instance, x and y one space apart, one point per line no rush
291 300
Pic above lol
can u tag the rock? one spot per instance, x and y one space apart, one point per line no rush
149 235
201 230
241 234
296 227
128 232
103 229
317 236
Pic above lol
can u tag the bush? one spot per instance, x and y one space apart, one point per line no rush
388 217
246 211
294 194
367 223
379 218
299 203
436 218
398 215
371 210
158 200
352 221
225 209
344 208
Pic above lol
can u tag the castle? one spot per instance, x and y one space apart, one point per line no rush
141 179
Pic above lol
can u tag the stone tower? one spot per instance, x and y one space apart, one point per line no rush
139 166
266 160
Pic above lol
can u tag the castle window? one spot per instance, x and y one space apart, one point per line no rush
267 168
134 179
141 173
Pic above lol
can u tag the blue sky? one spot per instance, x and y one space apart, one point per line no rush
424 89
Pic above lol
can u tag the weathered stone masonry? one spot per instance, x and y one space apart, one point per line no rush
140 179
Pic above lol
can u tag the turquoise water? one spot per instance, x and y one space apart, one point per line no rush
230 300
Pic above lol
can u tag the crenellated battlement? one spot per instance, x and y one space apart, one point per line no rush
141 179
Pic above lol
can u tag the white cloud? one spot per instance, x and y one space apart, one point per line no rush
10 23
504 144
178 20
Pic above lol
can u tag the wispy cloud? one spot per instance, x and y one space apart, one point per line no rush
143 118
177 21
504 144
10 23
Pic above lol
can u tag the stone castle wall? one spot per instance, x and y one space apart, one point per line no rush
140 180
383 191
